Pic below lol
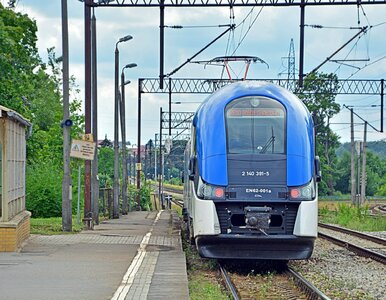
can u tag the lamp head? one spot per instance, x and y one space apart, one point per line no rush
125 38
129 66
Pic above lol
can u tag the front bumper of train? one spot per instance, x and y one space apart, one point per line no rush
274 247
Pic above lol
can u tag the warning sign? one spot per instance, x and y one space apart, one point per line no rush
82 149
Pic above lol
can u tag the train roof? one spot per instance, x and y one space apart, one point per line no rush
223 96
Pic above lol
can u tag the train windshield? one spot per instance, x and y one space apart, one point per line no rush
255 125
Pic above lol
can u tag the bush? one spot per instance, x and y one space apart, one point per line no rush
44 190
144 195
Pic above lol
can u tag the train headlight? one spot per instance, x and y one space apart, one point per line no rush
306 192
207 191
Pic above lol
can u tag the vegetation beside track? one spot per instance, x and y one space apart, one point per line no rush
352 217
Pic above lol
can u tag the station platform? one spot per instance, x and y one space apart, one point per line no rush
138 256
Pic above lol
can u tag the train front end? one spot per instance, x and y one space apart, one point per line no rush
253 171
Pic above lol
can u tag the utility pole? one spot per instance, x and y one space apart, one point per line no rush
125 206
66 188
353 183
155 156
116 146
94 121
117 99
138 165
363 183
87 112
358 145
301 50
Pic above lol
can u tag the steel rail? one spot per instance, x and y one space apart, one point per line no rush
312 291
354 248
177 202
355 233
175 191
231 287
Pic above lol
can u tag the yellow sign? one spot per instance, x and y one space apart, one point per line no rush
138 166
87 137
82 149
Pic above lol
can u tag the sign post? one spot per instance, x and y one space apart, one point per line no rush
82 149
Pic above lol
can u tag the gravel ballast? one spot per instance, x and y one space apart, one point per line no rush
341 274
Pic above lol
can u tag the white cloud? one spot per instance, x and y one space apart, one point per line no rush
268 39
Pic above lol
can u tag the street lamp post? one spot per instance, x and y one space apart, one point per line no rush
123 130
116 146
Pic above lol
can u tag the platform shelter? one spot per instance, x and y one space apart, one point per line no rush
14 218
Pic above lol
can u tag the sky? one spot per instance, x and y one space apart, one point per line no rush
265 33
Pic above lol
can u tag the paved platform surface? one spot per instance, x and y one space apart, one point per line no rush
138 256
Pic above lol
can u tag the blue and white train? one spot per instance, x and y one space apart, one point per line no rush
250 186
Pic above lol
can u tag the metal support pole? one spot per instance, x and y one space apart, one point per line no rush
116 128
87 102
66 189
301 50
78 204
124 156
161 45
139 145
382 96
145 161
155 157
353 183
149 169
160 157
94 94
170 106
358 196
363 180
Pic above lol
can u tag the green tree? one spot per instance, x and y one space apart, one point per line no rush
19 61
106 166
33 88
376 170
318 94
343 173
382 187
375 173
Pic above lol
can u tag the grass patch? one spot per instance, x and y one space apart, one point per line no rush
173 186
203 275
353 217
51 226
203 287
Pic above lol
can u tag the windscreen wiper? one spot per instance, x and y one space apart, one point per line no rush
271 141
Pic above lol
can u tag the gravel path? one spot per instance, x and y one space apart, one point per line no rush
340 274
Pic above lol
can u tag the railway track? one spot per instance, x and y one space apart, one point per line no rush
172 190
178 202
282 285
367 245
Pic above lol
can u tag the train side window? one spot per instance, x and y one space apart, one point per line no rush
318 169
192 159
192 167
